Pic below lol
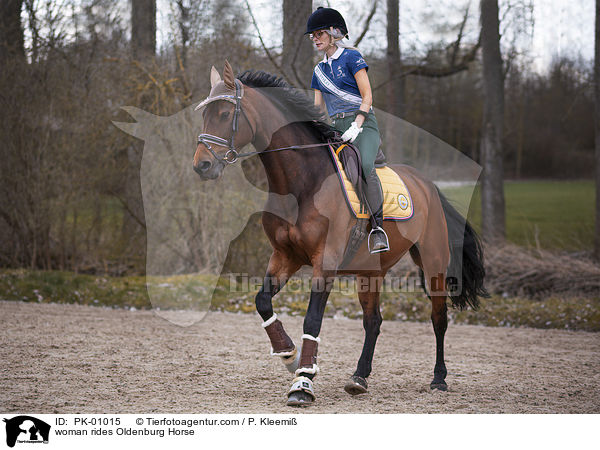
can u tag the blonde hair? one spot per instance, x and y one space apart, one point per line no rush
338 38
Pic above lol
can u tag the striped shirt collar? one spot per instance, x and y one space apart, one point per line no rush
336 55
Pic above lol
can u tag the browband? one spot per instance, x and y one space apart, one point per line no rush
232 98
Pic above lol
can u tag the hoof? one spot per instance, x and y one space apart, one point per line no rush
439 385
356 385
301 393
300 398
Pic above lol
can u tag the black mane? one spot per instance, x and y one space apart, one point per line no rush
289 99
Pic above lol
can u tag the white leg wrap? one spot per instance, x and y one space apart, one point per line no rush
310 370
284 354
268 322
302 384
308 336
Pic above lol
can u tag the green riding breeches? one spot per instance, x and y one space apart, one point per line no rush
368 139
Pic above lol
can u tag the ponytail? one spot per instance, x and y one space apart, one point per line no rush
339 39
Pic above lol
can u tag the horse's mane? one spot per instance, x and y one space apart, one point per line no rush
287 98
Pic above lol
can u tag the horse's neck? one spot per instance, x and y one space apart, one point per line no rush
296 172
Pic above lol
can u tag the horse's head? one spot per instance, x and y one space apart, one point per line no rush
227 126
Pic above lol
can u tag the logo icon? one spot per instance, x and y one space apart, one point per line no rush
402 201
26 429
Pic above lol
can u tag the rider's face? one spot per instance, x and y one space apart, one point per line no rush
321 39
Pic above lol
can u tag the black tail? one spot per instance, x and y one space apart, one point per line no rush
466 271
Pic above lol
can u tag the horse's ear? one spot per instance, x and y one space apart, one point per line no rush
228 76
214 77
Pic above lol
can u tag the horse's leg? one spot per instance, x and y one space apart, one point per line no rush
439 318
301 393
369 289
433 256
279 270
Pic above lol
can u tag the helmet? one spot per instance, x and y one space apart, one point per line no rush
323 18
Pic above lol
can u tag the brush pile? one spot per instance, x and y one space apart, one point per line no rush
514 271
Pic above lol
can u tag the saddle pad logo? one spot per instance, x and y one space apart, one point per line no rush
402 201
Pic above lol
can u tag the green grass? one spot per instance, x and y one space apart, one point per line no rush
176 292
68 287
556 215
191 292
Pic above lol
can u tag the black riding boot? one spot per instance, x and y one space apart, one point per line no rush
378 240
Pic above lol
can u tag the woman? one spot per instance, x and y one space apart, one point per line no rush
340 82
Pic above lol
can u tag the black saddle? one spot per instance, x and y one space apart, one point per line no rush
351 162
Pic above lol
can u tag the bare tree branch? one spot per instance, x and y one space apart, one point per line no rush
129 210
262 43
367 23
425 70
456 44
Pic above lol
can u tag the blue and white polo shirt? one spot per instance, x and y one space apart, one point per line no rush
334 77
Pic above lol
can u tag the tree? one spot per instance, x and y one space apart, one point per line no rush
143 49
11 30
297 49
143 28
597 126
395 88
492 186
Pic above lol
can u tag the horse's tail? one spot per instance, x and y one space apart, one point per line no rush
466 271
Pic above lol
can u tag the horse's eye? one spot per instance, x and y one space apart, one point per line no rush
225 115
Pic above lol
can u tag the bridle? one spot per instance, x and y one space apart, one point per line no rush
232 154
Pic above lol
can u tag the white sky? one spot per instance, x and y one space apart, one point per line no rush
562 27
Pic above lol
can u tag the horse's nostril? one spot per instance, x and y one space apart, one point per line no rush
203 166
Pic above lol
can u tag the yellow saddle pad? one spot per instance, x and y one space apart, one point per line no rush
397 204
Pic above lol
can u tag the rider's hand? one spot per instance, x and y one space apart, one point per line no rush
351 133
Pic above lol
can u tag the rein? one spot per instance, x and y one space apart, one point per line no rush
232 154
291 147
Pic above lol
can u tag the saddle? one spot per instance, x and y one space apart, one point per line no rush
397 204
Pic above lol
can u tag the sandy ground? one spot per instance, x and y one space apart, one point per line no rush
77 359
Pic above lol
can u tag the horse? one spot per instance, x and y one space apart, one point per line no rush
243 110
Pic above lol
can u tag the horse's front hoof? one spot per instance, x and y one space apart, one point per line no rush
300 398
439 385
301 393
356 385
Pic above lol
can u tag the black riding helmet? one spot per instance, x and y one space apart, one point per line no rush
323 18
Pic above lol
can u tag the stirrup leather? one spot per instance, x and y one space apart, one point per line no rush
387 242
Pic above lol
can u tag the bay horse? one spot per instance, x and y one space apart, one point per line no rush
288 132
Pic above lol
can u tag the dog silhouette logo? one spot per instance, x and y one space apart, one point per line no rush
26 429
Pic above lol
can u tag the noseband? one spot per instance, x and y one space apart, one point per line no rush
232 154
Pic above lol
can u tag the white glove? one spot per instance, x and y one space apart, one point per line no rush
351 133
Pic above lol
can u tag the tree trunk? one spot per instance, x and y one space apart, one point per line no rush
11 31
597 126
143 28
184 30
143 49
492 188
395 88
297 60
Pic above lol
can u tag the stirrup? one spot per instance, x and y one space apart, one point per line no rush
387 242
